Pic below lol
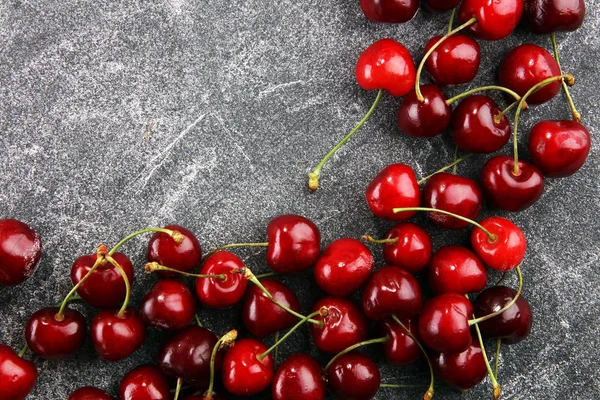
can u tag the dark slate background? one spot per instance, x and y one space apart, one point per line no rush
121 115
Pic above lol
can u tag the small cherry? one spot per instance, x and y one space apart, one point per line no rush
494 20
219 292
184 254
461 370
145 382
343 326
168 305
17 376
245 370
54 334
299 376
90 393
294 243
440 5
395 186
354 376
444 323
456 269
401 349
455 61
427 117
393 11
546 16
20 251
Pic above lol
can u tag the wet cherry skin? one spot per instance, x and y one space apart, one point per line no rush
17 376
444 323
506 250
426 118
354 376
461 370
215 293
495 19
90 393
389 10
412 251
401 349
145 382
243 373
183 256
114 337
546 16
440 5
294 243
168 305
455 61
345 325
394 187
456 269
20 251
299 376
51 338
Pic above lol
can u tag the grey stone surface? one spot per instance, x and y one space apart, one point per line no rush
120 115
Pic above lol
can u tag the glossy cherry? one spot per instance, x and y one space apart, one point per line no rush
426 118
183 256
444 323
299 376
440 5
462 370
344 325
90 393
395 186
411 251
559 148
456 269
20 251
389 10
388 65
294 243
344 267
546 16
145 382
115 337
455 61
216 293
401 349
474 127
243 373
506 250
53 337
495 19
168 305
17 376
354 376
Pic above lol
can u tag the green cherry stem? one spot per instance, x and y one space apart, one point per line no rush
276 349
506 307
178 388
266 275
502 279
234 245
497 360
455 158
451 22
23 351
154 266
178 237
495 384
354 347
118 267
399 386
481 89
370 239
227 340
198 322
313 177
447 167
576 115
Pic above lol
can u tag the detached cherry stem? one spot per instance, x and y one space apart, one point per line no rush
506 307
178 237
154 266
514 94
354 347
576 115
118 267
313 177
227 340
447 167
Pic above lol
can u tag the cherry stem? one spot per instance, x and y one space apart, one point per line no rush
451 22
370 239
115 264
497 360
430 391
233 245
399 386
227 340
576 115
490 235
178 237
276 339
504 275
481 89
354 347
447 167
23 350
178 388
455 158
498 117
495 384
266 275
313 177
197 318
154 266
506 307
432 49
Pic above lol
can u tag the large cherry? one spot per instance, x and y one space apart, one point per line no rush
343 267
395 186
17 376
388 65
505 250
354 376
444 323
168 305
343 326
90 393
462 370
389 10
183 256
546 16
495 20
116 336
52 336
407 246
440 5
455 61
456 269
400 349
145 382
20 251
294 243
298 377
424 118
244 371
218 293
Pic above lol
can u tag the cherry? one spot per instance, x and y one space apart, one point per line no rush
444 323
55 336
20 251
294 243
546 16
261 316
244 371
406 245
117 334
495 20
299 376
505 250
395 186
391 290
343 267
388 65
475 126
90 393
389 10
440 5
218 293
354 376
455 61
456 269
145 382
343 326
462 370
17 376
424 118
524 67
165 250
559 148
168 305
401 349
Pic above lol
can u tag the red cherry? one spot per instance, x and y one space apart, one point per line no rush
394 187
216 293
90 393
474 128
524 67
401 349
391 290
411 249
389 10
183 256
559 148
462 370
455 61
495 19
546 16
261 316
244 374
20 251
294 243
444 323
54 338
456 269
424 118
506 250
168 305
344 325
388 65
115 337
17 376
299 377
343 267
145 382
105 287
354 376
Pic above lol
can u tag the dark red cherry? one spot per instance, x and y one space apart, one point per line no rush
168 305
506 250
243 373
294 243
343 267
216 293
495 19
546 16
145 382
391 290
456 269
412 251
440 5
115 337
387 65
509 191
394 187
17 376
559 148
183 256
53 338
425 118
389 10
299 377
261 316
90 393
20 251
444 323
105 287
474 128
462 370
513 325
401 349
455 194
455 61
524 67
344 325
354 376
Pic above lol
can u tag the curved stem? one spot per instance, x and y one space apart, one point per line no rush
497 360
506 307
451 22
354 347
313 177
266 275
574 112
504 275
178 388
65 302
178 237
495 384
432 49
447 167
454 159
400 386
233 245
197 318
498 117
481 89
154 266
224 341
115 264
370 239
22 351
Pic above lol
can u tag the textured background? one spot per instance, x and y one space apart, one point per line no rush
120 115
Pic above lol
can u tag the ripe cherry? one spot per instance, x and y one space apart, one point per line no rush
354 376
244 371
90 393
456 269
218 293
294 243
168 305
54 336
455 61
495 20
165 250
389 10
395 186
344 325
440 5
462 370
17 376
424 118
20 251
299 376
116 334
505 250
546 16
444 323
401 349
145 382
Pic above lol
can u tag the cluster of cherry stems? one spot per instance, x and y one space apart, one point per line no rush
447 330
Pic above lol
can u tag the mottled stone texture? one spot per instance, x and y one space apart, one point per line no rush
117 115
